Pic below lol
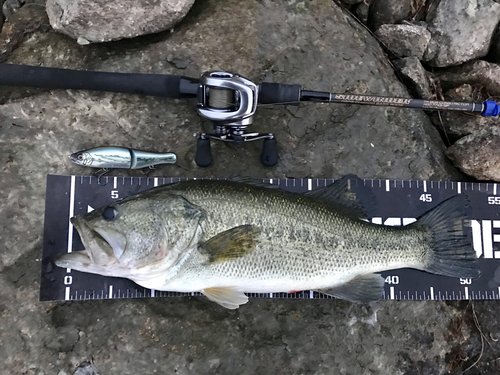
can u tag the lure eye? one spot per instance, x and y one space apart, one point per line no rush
110 213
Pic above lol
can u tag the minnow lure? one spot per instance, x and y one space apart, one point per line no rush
120 157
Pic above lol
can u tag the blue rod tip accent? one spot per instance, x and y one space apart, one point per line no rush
490 108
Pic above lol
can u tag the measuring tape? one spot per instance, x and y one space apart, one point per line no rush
398 203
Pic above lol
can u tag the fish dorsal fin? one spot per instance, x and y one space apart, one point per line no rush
342 194
228 297
231 244
361 289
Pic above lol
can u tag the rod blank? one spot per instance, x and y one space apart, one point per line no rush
328 97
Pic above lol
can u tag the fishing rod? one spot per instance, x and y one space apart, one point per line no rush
228 100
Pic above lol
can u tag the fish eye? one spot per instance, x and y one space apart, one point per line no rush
110 213
80 157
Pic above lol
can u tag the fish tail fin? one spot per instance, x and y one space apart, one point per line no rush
451 252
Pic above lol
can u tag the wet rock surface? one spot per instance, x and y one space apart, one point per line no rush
315 44
90 21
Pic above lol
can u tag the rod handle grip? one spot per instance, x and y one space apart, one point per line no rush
277 93
164 85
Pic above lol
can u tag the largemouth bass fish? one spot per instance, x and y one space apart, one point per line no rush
226 238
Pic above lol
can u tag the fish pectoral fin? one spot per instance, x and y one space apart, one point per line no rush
362 289
231 244
229 297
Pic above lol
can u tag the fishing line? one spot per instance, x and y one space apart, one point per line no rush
221 98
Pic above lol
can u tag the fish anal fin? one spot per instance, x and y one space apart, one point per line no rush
231 244
229 297
362 289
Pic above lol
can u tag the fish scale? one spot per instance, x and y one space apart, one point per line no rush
398 202
296 215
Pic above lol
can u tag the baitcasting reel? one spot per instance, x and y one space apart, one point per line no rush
230 102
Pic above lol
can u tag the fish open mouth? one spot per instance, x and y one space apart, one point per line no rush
115 239
101 246
101 250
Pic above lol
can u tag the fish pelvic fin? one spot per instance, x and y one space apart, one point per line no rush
228 297
361 289
451 253
231 244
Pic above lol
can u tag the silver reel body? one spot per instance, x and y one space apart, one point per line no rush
230 102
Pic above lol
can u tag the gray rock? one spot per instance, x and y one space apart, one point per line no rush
494 54
390 12
455 125
362 10
478 73
415 77
90 21
180 63
26 20
477 154
85 369
461 31
9 7
405 40
352 2
63 340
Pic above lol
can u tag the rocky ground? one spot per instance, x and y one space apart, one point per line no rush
317 44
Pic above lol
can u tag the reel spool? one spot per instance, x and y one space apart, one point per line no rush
230 102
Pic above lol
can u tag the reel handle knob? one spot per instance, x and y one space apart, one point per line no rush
203 156
269 156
